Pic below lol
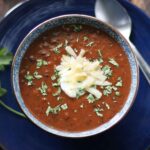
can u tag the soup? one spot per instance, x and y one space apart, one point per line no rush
74 78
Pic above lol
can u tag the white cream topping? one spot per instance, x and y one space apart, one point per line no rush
77 72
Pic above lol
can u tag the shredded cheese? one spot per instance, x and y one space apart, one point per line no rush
76 71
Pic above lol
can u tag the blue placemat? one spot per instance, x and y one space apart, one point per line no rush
132 133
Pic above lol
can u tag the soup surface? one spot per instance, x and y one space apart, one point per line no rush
74 78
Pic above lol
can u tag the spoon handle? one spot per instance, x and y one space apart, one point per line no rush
142 63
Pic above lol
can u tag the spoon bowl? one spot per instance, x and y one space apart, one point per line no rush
117 16
114 14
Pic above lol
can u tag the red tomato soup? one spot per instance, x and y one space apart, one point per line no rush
74 78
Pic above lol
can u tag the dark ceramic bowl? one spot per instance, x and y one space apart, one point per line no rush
75 19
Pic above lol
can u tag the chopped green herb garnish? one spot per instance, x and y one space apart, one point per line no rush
57 93
43 89
56 72
114 88
107 90
85 38
91 98
117 93
107 71
98 112
54 110
90 44
29 78
56 49
112 61
55 84
37 75
53 77
80 92
77 28
41 63
64 106
119 82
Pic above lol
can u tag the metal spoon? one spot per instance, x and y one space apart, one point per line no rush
111 11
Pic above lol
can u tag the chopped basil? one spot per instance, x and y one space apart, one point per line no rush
91 98
64 106
100 60
98 112
107 70
90 44
53 77
55 110
77 28
29 78
57 93
80 92
113 61
37 75
56 49
119 83
119 78
117 93
85 38
43 89
40 63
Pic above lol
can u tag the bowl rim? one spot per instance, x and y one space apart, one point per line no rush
79 134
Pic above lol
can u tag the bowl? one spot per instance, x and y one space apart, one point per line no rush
75 19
